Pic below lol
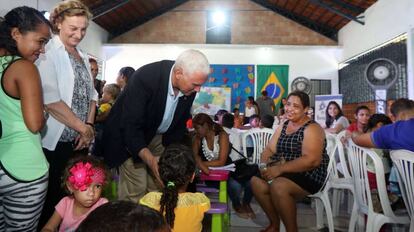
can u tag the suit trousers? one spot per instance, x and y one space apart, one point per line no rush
137 179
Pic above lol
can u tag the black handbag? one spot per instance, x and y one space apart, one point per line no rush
244 171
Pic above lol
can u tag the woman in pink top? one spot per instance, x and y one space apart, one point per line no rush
84 178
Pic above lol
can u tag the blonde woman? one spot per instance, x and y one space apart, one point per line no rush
68 94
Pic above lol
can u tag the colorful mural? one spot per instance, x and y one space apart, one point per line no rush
240 78
211 99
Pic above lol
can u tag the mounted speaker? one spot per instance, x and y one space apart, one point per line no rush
301 84
381 74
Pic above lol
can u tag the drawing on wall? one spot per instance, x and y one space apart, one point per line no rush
239 78
211 99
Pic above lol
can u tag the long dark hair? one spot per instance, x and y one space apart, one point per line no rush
23 18
176 167
329 120
201 119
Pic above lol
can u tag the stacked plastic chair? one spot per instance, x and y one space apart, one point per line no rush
404 162
260 138
323 195
374 220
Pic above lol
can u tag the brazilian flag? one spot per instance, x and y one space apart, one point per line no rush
274 79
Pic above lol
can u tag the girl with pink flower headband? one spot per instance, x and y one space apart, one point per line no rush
83 178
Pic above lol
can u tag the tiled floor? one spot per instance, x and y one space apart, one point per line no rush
306 219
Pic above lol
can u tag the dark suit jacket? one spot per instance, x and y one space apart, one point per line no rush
138 112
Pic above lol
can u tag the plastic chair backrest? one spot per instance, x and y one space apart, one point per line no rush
331 143
358 157
342 156
331 147
260 138
404 162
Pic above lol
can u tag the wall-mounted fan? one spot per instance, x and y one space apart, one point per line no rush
301 84
381 74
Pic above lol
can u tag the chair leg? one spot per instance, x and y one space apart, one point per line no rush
319 214
336 201
354 217
328 210
223 197
217 222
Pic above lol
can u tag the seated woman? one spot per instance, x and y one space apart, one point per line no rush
301 143
335 120
362 115
211 148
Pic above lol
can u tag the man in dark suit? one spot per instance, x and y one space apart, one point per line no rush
150 114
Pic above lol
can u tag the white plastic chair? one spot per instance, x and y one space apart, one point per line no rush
260 138
358 157
404 162
323 194
342 178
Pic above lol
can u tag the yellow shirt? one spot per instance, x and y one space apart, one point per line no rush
189 212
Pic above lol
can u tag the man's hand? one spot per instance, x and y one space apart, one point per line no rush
152 162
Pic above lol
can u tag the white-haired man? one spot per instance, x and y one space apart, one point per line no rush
150 114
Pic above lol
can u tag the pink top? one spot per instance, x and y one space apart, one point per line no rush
65 209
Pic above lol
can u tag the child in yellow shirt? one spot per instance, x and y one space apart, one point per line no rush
110 93
183 211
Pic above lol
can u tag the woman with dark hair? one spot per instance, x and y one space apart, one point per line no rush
24 33
68 94
124 75
296 164
211 147
335 120
218 117
211 144
183 211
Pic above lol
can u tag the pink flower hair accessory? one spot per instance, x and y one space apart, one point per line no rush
81 176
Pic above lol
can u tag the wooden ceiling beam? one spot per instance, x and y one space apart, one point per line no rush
106 7
305 21
336 11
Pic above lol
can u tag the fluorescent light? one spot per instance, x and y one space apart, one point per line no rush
219 18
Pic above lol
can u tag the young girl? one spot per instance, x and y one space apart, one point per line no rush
84 178
182 210
24 31
362 115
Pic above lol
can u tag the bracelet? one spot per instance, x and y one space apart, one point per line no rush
90 124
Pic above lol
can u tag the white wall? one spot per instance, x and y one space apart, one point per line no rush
314 62
384 21
95 36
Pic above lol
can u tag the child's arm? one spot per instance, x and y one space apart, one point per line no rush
53 223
